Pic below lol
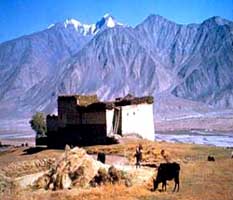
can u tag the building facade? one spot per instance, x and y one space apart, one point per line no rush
84 120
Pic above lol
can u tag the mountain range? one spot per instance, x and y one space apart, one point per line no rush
187 68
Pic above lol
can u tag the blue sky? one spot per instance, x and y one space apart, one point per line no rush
20 17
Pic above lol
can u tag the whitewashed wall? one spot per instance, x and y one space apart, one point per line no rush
109 117
138 119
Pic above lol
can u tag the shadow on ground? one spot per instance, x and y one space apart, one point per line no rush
32 150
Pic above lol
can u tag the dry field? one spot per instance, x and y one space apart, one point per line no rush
199 178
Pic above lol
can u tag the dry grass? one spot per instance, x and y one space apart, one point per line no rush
17 162
200 179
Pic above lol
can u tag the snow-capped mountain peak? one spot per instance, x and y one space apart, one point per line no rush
72 22
107 15
107 21
110 21
84 29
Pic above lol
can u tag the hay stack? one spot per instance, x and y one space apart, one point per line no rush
74 168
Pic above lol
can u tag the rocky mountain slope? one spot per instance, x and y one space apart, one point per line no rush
158 57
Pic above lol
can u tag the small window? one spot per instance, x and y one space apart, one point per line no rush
133 113
127 114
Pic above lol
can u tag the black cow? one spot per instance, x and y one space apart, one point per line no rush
211 158
167 171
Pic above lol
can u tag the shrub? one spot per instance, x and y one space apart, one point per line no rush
38 124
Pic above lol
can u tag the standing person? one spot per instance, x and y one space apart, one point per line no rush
138 155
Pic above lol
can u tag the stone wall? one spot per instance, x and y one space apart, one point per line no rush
52 123
77 125
67 111
94 117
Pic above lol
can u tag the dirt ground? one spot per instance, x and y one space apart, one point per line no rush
19 141
199 178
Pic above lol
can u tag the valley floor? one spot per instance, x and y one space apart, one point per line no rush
200 179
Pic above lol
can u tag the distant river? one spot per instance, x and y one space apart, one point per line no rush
15 135
198 137
193 137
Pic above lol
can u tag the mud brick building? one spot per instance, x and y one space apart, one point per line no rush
84 120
